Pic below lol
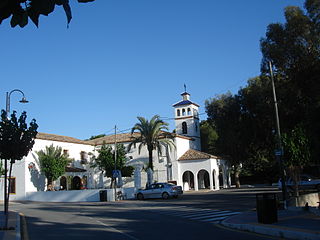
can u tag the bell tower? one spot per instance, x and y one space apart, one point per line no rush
187 119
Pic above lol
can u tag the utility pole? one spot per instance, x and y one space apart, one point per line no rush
115 147
115 162
279 150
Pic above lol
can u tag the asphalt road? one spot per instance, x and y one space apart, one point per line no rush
138 220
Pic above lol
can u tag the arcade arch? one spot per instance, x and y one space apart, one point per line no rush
188 180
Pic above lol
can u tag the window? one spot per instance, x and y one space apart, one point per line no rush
84 157
178 112
183 112
12 184
65 152
184 128
189 111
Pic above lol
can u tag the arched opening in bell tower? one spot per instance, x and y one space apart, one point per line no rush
184 128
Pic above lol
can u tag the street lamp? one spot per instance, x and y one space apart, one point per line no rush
23 99
6 191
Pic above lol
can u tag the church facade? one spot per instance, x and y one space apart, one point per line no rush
184 165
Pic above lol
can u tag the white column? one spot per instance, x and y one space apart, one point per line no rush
196 188
211 180
216 179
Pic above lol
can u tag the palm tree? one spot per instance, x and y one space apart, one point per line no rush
152 135
52 163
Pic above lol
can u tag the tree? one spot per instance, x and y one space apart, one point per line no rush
209 137
297 152
259 124
225 112
151 134
293 48
106 163
16 140
96 136
21 10
52 163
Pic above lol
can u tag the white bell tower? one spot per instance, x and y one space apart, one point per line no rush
187 120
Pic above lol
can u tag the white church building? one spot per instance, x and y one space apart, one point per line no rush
184 165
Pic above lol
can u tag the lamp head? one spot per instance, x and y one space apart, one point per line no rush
24 100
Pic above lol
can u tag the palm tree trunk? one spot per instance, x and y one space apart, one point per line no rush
150 170
150 158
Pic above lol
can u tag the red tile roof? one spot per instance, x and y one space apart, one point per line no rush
60 138
192 154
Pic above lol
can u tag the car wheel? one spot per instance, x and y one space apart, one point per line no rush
140 196
165 195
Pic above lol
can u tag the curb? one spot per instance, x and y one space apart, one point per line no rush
272 231
23 227
18 227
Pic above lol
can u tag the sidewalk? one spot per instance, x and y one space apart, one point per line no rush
292 224
13 221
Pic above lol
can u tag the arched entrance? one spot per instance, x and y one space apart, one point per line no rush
188 180
76 183
63 183
203 179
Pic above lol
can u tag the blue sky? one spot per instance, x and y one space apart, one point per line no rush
123 59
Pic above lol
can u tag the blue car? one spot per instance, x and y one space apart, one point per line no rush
159 190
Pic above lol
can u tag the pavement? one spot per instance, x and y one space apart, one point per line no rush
293 223
14 223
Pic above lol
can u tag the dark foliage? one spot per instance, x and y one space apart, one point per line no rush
22 10
16 138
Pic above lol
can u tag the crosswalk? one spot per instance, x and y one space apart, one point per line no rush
196 214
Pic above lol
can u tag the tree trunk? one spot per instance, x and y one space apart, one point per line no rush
49 185
150 176
237 176
7 196
150 158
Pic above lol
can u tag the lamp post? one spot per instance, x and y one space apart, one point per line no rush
279 151
6 191
23 99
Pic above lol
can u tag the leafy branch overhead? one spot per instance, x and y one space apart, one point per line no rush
21 10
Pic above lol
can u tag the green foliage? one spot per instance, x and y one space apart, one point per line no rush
105 161
16 138
245 122
2 171
52 162
96 136
209 137
21 10
293 48
151 134
296 147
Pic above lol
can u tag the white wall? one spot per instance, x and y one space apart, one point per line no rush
33 179
194 166
18 171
